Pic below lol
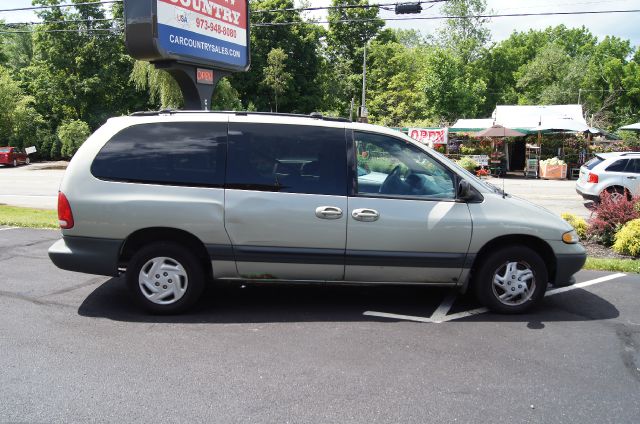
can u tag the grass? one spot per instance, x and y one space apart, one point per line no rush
621 265
14 216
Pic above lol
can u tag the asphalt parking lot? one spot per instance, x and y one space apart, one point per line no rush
74 348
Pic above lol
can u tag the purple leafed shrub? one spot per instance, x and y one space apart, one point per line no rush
609 215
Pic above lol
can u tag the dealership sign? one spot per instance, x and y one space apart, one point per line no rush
429 136
209 33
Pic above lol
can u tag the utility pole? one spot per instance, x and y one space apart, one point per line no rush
362 112
579 95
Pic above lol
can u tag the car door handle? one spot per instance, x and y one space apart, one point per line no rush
328 212
631 178
365 215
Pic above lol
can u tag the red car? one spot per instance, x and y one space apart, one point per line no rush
12 156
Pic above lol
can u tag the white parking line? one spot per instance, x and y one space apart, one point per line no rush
440 314
9 228
395 316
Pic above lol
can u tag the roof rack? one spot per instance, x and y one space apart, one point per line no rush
313 115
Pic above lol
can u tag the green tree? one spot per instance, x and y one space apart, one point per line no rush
350 28
464 35
72 134
451 90
275 75
301 43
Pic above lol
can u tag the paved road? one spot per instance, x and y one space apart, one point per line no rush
35 187
30 185
557 196
73 348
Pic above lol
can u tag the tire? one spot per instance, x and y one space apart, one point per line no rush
177 283
27 161
496 267
619 193
15 163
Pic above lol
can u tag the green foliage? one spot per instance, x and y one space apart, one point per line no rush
275 75
579 224
465 37
467 163
27 217
162 88
384 165
72 134
627 239
620 265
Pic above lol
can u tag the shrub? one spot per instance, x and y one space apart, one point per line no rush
609 215
380 165
627 239
579 224
467 163
72 134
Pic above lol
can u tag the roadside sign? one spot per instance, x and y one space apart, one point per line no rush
30 150
211 33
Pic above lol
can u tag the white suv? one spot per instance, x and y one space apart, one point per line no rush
617 173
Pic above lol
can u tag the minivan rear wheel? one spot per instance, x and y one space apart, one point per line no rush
511 280
165 278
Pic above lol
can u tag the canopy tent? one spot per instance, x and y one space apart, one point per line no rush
471 125
632 127
530 119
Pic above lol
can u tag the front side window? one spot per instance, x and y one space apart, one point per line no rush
287 158
389 166
171 153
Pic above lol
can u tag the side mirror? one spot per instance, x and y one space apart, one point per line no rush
464 190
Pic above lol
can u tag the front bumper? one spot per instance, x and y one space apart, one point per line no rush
86 254
567 265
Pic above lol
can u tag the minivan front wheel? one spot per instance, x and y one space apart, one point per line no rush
511 280
165 278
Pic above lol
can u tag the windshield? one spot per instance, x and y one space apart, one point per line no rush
5 149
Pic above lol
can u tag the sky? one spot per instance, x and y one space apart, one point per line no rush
625 25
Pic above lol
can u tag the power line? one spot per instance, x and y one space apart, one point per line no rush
70 21
115 31
340 7
505 15
59 6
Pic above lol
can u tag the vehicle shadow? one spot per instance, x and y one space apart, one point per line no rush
253 303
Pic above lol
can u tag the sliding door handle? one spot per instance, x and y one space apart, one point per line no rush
365 215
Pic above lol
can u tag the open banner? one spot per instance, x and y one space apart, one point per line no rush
430 136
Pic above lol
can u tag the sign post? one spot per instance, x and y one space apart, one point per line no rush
196 41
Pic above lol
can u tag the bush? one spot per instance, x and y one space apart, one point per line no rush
609 216
579 224
72 134
627 239
467 163
383 165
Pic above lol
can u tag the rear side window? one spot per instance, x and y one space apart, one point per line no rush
171 153
593 163
617 166
287 158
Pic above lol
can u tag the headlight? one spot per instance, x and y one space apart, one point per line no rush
570 237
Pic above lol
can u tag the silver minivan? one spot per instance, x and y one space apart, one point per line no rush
176 200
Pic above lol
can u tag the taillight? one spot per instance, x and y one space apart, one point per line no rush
65 216
593 178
